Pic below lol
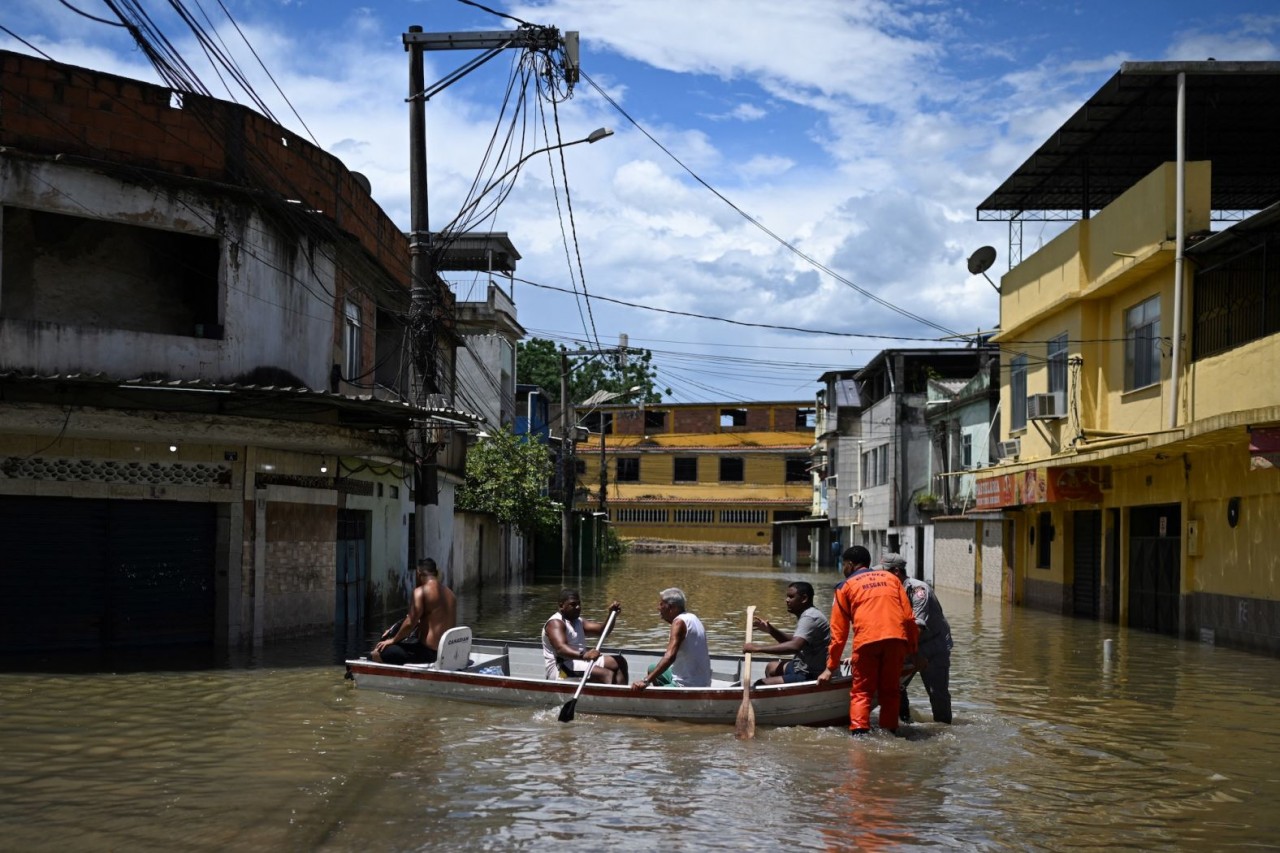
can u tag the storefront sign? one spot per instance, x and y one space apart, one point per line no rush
1075 484
1041 485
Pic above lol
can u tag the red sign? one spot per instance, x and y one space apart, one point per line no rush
1075 484
1040 485
1264 447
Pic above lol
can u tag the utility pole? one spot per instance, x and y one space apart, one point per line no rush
568 475
568 469
425 306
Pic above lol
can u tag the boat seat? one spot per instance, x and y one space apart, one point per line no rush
455 649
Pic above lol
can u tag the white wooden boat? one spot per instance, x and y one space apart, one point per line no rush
511 672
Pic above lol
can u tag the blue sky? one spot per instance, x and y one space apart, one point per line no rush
862 133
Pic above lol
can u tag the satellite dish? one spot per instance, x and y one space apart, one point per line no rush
981 260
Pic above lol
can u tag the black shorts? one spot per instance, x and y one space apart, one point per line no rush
402 653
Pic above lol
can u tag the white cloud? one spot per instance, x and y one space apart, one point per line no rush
863 132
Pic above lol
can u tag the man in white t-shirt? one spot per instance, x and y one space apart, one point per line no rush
686 662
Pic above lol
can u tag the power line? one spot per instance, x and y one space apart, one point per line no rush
756 223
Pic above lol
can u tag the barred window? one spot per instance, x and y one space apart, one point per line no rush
642 515
744 516
695 516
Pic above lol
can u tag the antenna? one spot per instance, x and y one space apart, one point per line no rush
980 261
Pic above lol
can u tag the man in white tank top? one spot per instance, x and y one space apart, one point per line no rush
564 644
686 656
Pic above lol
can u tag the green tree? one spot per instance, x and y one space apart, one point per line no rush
507 478
538 363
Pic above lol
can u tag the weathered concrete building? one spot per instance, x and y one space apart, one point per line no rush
205 412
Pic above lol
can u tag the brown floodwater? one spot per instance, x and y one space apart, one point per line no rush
1171 744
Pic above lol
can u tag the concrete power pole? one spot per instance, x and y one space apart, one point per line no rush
569 476
425 306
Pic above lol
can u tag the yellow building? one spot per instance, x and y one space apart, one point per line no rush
1139 396
700 472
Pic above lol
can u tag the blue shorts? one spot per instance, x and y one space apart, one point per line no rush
792 673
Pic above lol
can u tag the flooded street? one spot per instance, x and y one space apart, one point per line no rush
1172 744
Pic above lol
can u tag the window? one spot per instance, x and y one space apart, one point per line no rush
875 467
1142 344
579 466
642 516
1237 300
628 469
686 469
695 516
733 418
966 450
798 469
1058 363
744 516
1018 392
806 418
351 342
598 422
655 421
731 469
140 279
1044 539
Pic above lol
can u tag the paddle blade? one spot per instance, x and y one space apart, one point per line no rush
566 713
745 728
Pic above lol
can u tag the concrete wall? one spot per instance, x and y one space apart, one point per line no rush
953 562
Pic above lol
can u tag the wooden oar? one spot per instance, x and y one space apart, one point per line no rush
746 725
566 713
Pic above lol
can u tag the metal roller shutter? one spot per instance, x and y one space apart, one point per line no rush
94 574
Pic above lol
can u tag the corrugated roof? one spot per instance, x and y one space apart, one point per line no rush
1128 128
200 396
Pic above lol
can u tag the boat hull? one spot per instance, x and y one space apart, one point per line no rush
489 680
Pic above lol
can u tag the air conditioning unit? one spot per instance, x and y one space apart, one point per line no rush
1010 449
855 501
1046 407
831 482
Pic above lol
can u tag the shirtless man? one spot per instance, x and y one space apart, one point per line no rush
434 611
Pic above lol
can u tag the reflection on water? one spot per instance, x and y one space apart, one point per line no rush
1170 744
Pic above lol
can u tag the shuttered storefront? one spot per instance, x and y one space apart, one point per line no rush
1155 571
1087 562
95 574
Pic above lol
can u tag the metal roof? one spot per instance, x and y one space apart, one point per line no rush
198 396
1128 128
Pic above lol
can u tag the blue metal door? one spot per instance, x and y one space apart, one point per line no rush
352 570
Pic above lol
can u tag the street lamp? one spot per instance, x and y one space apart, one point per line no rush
469 208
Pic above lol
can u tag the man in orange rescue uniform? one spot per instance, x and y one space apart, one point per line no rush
874 604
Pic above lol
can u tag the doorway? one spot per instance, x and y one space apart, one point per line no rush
1155 573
